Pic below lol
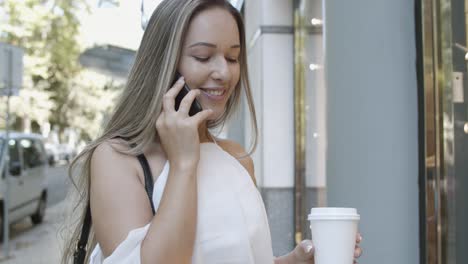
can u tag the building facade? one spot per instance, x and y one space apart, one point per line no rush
361 104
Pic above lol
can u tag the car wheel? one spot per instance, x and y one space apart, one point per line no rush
38 217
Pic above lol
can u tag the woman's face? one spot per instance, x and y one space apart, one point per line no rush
210 58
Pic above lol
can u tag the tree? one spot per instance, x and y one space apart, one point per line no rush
55 87
91 98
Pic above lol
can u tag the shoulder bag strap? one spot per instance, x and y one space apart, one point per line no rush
80 251
148 179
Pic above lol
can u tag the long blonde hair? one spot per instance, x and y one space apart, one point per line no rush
139 106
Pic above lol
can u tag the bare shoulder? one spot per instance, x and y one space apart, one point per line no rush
238 152
108 157
110 147
116 192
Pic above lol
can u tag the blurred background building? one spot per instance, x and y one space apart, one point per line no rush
362 104
359 103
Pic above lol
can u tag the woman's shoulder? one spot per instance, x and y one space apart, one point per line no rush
111 150
111 156
117 191
238 152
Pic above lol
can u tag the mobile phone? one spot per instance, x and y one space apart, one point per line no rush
195 107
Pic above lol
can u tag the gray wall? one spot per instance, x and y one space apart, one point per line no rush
372 159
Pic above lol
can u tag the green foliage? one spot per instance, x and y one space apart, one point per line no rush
55 88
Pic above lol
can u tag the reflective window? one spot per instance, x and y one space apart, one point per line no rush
32 153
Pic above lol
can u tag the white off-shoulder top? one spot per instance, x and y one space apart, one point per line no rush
232 226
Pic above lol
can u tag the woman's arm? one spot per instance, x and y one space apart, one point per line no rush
172 232
118 198
119 204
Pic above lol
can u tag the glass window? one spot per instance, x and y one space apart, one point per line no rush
15 163
31 153
310 95
13 151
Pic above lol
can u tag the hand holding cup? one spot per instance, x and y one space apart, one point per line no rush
334 235
304 251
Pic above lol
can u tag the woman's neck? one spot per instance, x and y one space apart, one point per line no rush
204 134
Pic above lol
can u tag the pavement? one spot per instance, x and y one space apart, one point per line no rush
40 244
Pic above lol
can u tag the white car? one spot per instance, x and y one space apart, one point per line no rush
28 170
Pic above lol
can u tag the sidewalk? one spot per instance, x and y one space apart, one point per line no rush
39 244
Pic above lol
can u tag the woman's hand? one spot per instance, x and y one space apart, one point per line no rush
304 252
178 132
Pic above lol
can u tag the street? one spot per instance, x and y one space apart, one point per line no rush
42 244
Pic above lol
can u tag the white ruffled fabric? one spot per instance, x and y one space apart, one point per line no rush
232 225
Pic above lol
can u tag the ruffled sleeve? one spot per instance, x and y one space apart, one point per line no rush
127 252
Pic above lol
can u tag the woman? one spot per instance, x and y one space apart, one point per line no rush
208 209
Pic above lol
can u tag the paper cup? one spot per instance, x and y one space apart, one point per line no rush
334 234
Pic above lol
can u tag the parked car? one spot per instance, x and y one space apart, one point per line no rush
28 167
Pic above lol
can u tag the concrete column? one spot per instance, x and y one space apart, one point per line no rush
270 52
372 123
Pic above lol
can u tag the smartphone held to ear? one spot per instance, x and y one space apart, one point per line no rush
195 108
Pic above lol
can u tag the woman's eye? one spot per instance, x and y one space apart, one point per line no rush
202 59
232 60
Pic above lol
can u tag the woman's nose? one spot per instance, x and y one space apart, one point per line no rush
221 70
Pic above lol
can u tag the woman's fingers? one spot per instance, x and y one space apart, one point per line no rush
358 238
186 103
201 116
307 246
169 97
357 252
304 251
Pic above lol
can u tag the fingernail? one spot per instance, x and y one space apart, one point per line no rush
307 246
360 238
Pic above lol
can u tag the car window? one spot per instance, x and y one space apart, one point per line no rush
14 153
41 151
15 163
32 153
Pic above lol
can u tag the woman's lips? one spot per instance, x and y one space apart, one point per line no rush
214 94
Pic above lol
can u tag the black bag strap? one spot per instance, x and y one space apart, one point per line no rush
80 251
148 179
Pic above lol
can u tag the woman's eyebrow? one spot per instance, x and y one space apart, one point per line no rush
210 45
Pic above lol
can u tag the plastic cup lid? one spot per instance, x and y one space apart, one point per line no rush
333 213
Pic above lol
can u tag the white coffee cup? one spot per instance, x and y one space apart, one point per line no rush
334 233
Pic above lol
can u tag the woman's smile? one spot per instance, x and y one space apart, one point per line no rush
214 94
